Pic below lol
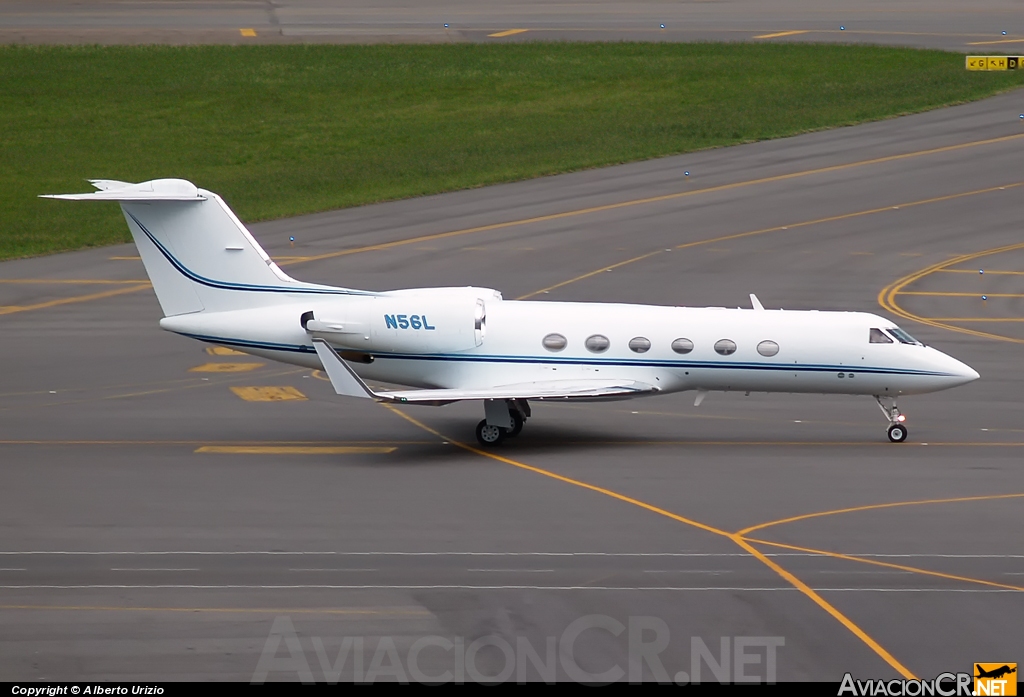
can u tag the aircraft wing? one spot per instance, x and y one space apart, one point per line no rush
346 382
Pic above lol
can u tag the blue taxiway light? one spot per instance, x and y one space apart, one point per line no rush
686 173
445 26
662 26
984 297
842 28
1004 33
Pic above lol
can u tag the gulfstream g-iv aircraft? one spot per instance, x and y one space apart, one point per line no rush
216 284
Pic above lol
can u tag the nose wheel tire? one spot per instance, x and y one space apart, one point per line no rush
489 436
897 433
518 421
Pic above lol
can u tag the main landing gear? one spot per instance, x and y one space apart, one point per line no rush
897 427
504 418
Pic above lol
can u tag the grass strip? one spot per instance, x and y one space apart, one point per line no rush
284 130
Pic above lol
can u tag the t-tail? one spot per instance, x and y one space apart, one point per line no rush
198 254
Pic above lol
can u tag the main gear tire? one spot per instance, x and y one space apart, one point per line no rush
489 436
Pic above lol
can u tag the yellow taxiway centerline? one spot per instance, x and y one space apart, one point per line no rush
11 309
782 33
777 228
890 565
658 199
887 296
508 32
736 538
5 310
874 507
1001 41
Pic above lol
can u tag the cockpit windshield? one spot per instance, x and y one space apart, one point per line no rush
879 337
903 337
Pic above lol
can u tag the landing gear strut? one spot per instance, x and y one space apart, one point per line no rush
897 427
503 419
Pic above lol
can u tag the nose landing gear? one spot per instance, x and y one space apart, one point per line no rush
897 427
897 433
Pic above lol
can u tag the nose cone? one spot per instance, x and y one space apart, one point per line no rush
968 373
960 373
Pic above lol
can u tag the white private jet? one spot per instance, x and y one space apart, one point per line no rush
216 284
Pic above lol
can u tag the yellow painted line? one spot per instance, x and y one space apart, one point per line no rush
782 33
192 384
959 295
874 507
135 258
900 567
797 583
1001 41
601 270
247 32
777 228
825 605
664 197
223 351
233 610
295 450
11 309
509 32
225 367
567 214
269 394
887 296
72 281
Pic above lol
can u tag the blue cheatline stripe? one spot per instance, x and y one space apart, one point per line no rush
461 358
245 343
224 285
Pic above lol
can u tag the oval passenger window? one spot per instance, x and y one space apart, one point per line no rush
682 345
639 344
767 348
725 347
597 343
554 342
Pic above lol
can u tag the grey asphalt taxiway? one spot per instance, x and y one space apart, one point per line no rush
170 510
987 26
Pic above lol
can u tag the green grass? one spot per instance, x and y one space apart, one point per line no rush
282 130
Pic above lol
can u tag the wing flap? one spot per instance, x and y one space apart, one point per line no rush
347 383
541 390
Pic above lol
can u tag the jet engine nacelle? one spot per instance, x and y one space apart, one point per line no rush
431 320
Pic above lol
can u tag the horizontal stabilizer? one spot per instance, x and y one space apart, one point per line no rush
156 190
347 383
108 184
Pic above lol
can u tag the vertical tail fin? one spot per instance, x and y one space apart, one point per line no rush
198 255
